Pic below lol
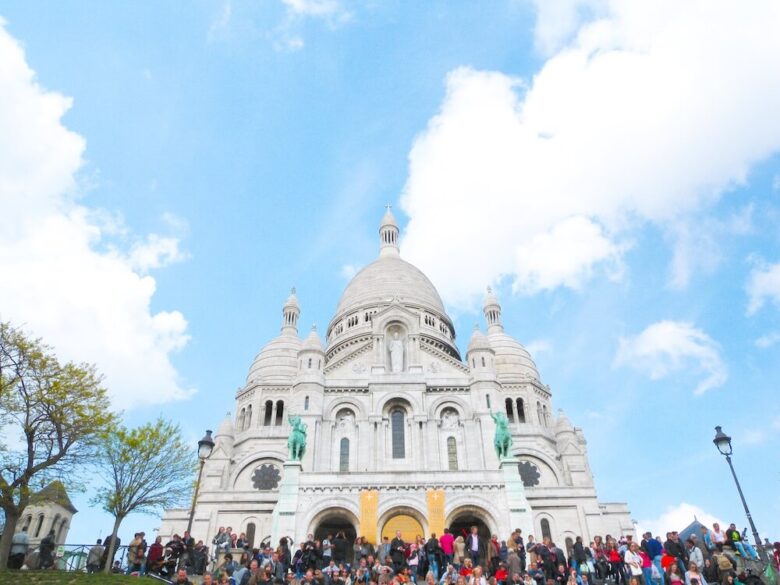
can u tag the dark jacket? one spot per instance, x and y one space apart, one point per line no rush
579 553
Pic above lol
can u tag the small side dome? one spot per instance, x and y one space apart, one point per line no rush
563 424
226 428
312 342
512 359
479 342
277 361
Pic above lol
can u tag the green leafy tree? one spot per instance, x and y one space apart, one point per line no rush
145 469
52 416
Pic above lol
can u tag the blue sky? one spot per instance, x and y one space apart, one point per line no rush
169 170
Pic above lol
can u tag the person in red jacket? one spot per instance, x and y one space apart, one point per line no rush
154 555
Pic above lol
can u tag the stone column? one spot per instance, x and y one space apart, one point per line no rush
517 504
286 508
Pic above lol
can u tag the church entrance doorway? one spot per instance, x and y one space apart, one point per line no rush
333 524
462 523
409 526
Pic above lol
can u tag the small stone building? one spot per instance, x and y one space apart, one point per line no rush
49 509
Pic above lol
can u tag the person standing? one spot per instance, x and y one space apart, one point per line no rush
94 557
633 562
579 557
47 551
19 545
397 551
447 542
473 546
433 553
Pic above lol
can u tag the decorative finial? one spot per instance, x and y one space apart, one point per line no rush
314 327
476 326
292 291
489 289
388 206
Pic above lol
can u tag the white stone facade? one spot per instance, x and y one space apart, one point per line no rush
392 409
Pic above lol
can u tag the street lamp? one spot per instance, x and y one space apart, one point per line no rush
205 447
723 443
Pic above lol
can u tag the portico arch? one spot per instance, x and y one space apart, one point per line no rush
463 517
334 520
407 519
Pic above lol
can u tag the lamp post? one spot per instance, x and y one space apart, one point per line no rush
723 443
205 446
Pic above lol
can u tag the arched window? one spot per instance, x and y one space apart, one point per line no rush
250 534
39 526
452 454
27 521
344 456
546 416
248 422
569 546
269 407
487 400
397 429
306 403
54 524
510 412
279 413
310 363
545 523
483 362
539 414
520 411
241 417
61 531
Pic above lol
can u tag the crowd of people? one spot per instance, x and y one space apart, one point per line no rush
710 558
713 557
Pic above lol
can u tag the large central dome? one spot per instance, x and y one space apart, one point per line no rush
385 281
386 278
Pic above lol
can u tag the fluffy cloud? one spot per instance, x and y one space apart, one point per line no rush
676 518
763 285
668 347
315 8
768 340
61 275
647 114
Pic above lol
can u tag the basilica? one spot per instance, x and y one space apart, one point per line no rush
399 428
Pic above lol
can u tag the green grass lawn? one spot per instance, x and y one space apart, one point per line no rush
66 578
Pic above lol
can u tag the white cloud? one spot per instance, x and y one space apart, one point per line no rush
348 271
61 275
648 115
676 517
315 8
155 252
538 346
768 340
670 347
763 285
221 22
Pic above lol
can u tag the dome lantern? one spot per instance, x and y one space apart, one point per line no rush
388 234
290 313
492 310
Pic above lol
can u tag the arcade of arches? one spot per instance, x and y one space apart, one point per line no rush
338 520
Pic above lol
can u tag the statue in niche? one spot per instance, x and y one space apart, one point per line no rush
396 348
345 420
449 418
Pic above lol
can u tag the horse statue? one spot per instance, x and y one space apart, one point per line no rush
503 438
296 444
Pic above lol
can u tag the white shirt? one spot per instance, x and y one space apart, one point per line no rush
634 561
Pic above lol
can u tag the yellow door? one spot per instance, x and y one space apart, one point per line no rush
410 528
